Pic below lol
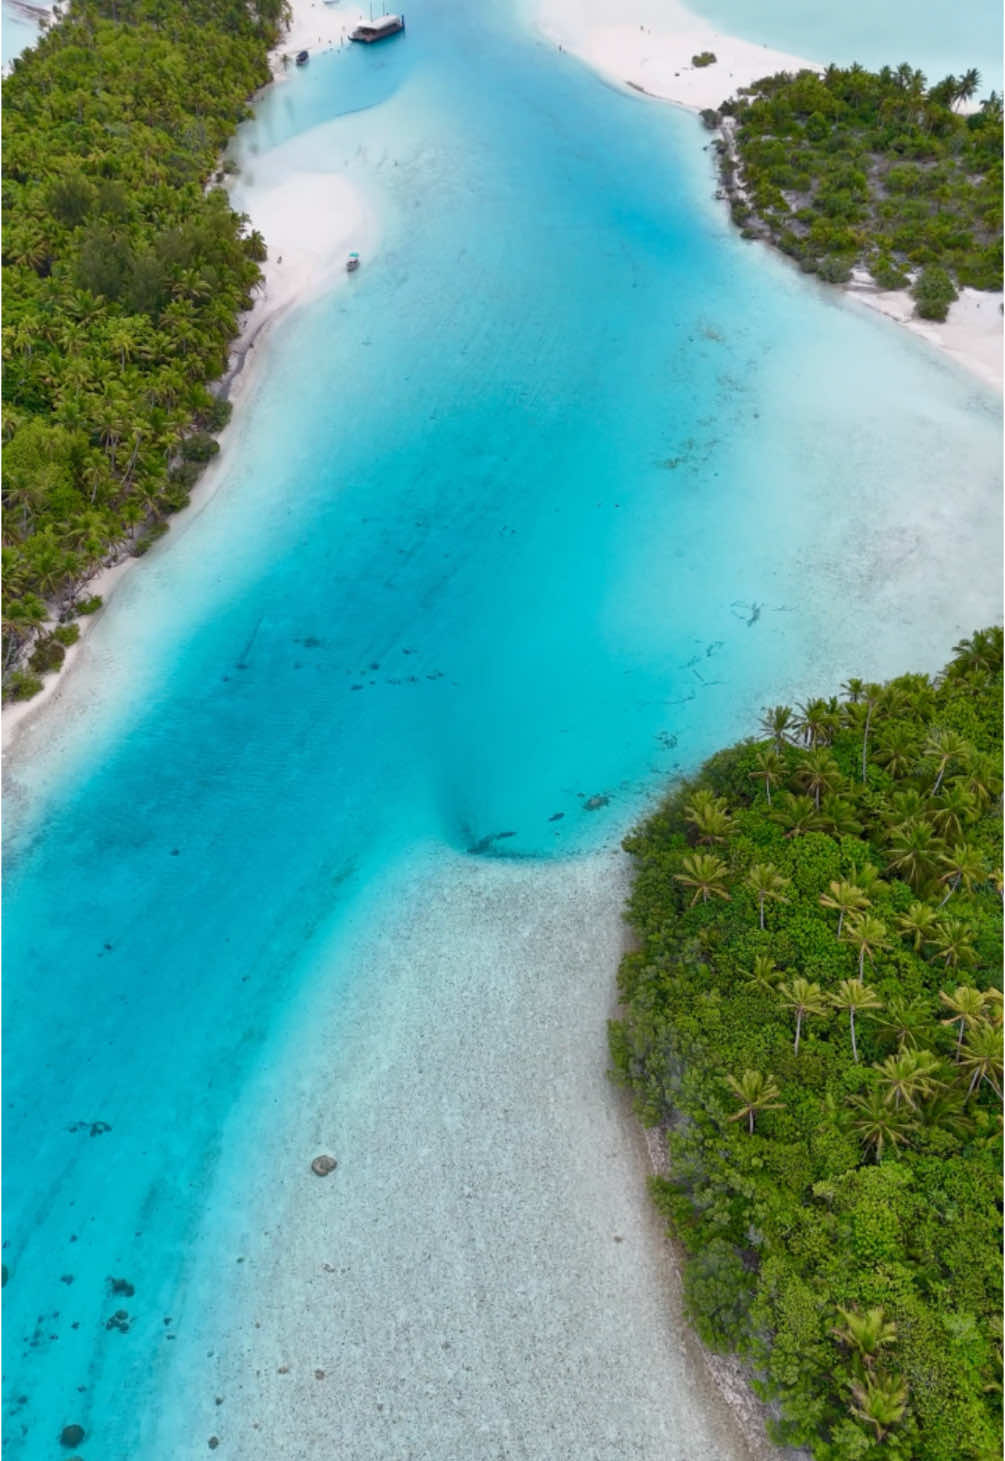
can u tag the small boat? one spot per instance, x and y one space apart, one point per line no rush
303 57
352 263
378 30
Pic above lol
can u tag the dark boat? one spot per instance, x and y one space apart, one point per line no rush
378 30
352 263
302 58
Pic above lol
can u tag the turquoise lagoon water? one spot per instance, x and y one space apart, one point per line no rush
937 36
540 509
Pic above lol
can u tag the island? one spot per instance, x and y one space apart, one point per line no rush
813 1021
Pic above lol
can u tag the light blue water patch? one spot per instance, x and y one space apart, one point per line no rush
535 511
937 36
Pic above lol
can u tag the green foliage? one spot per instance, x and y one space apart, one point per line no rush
123 273
20 685
47 655
66 634
90 605
872 169
835 1140
934 292
704 58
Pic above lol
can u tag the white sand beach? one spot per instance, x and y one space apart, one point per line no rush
648 46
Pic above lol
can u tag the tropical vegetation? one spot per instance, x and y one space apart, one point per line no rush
871 169
813 1016
124 273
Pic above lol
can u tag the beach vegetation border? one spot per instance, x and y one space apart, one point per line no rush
871 170
124 274
813 1017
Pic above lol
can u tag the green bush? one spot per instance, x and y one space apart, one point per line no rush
66 634
47 655
20 685
833 270
886 274
89 605
704 58
934 292
199 447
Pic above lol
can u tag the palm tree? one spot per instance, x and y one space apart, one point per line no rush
946 1111
817 721
981 1055
854 689
756 1093
708 816
967 1005
796 814
878 1124
982 778
915 847
847 898
951 811
871 696
770 768
918 924
880 1402
984 649
952 943
704 873
852 995
944 747
909 1021
804 999
868 935
964 867
837 816
908 1075
778 724
766 882
818 771
898 749
764 975
967 85
867 1334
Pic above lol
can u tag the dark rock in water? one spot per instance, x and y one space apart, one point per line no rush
556 816
98 1128
66 1278
214 1441
119 1321
323 1165
121 1286
71 1435
485 843
594 803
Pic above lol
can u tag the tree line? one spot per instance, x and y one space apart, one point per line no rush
814 1016
871 169
124 273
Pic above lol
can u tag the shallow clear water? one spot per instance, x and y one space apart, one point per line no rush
541 508
937 36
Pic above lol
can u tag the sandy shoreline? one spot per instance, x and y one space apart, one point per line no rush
287 208
649 51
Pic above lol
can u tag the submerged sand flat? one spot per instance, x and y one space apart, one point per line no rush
482 1275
